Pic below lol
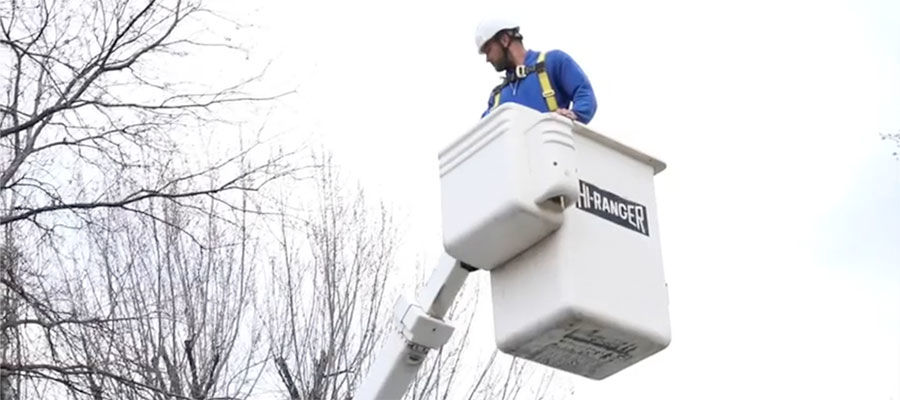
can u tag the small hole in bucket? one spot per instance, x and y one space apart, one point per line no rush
554 163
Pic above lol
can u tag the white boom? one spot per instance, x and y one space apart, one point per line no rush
418 327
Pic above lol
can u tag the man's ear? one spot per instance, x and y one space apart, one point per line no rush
505 39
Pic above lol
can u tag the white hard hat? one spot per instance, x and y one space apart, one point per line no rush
489 27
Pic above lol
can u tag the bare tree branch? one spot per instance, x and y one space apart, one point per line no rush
146 195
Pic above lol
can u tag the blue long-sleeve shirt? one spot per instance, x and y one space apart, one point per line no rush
571 84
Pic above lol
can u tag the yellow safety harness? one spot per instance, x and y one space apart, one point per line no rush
543 78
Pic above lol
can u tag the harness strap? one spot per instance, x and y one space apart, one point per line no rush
546 89
549 94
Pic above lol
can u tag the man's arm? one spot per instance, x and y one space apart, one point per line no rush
571 79
491 100
490 105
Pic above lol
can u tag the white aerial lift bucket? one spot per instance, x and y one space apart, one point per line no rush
565 220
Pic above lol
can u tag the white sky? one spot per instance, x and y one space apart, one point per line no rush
780 209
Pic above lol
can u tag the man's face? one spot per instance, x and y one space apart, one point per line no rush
494 54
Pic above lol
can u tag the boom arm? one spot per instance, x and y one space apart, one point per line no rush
418 327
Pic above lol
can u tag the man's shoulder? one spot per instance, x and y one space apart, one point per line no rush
556 54
555 58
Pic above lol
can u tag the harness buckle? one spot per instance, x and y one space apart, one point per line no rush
549 93
521 72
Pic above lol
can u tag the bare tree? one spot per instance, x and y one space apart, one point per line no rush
80 97
126 256
10 340
329 298
178 298
153 313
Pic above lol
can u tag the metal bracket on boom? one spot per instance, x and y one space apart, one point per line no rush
422 332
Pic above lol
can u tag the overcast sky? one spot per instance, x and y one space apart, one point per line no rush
780 208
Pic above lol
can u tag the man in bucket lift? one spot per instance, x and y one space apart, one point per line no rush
547 82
